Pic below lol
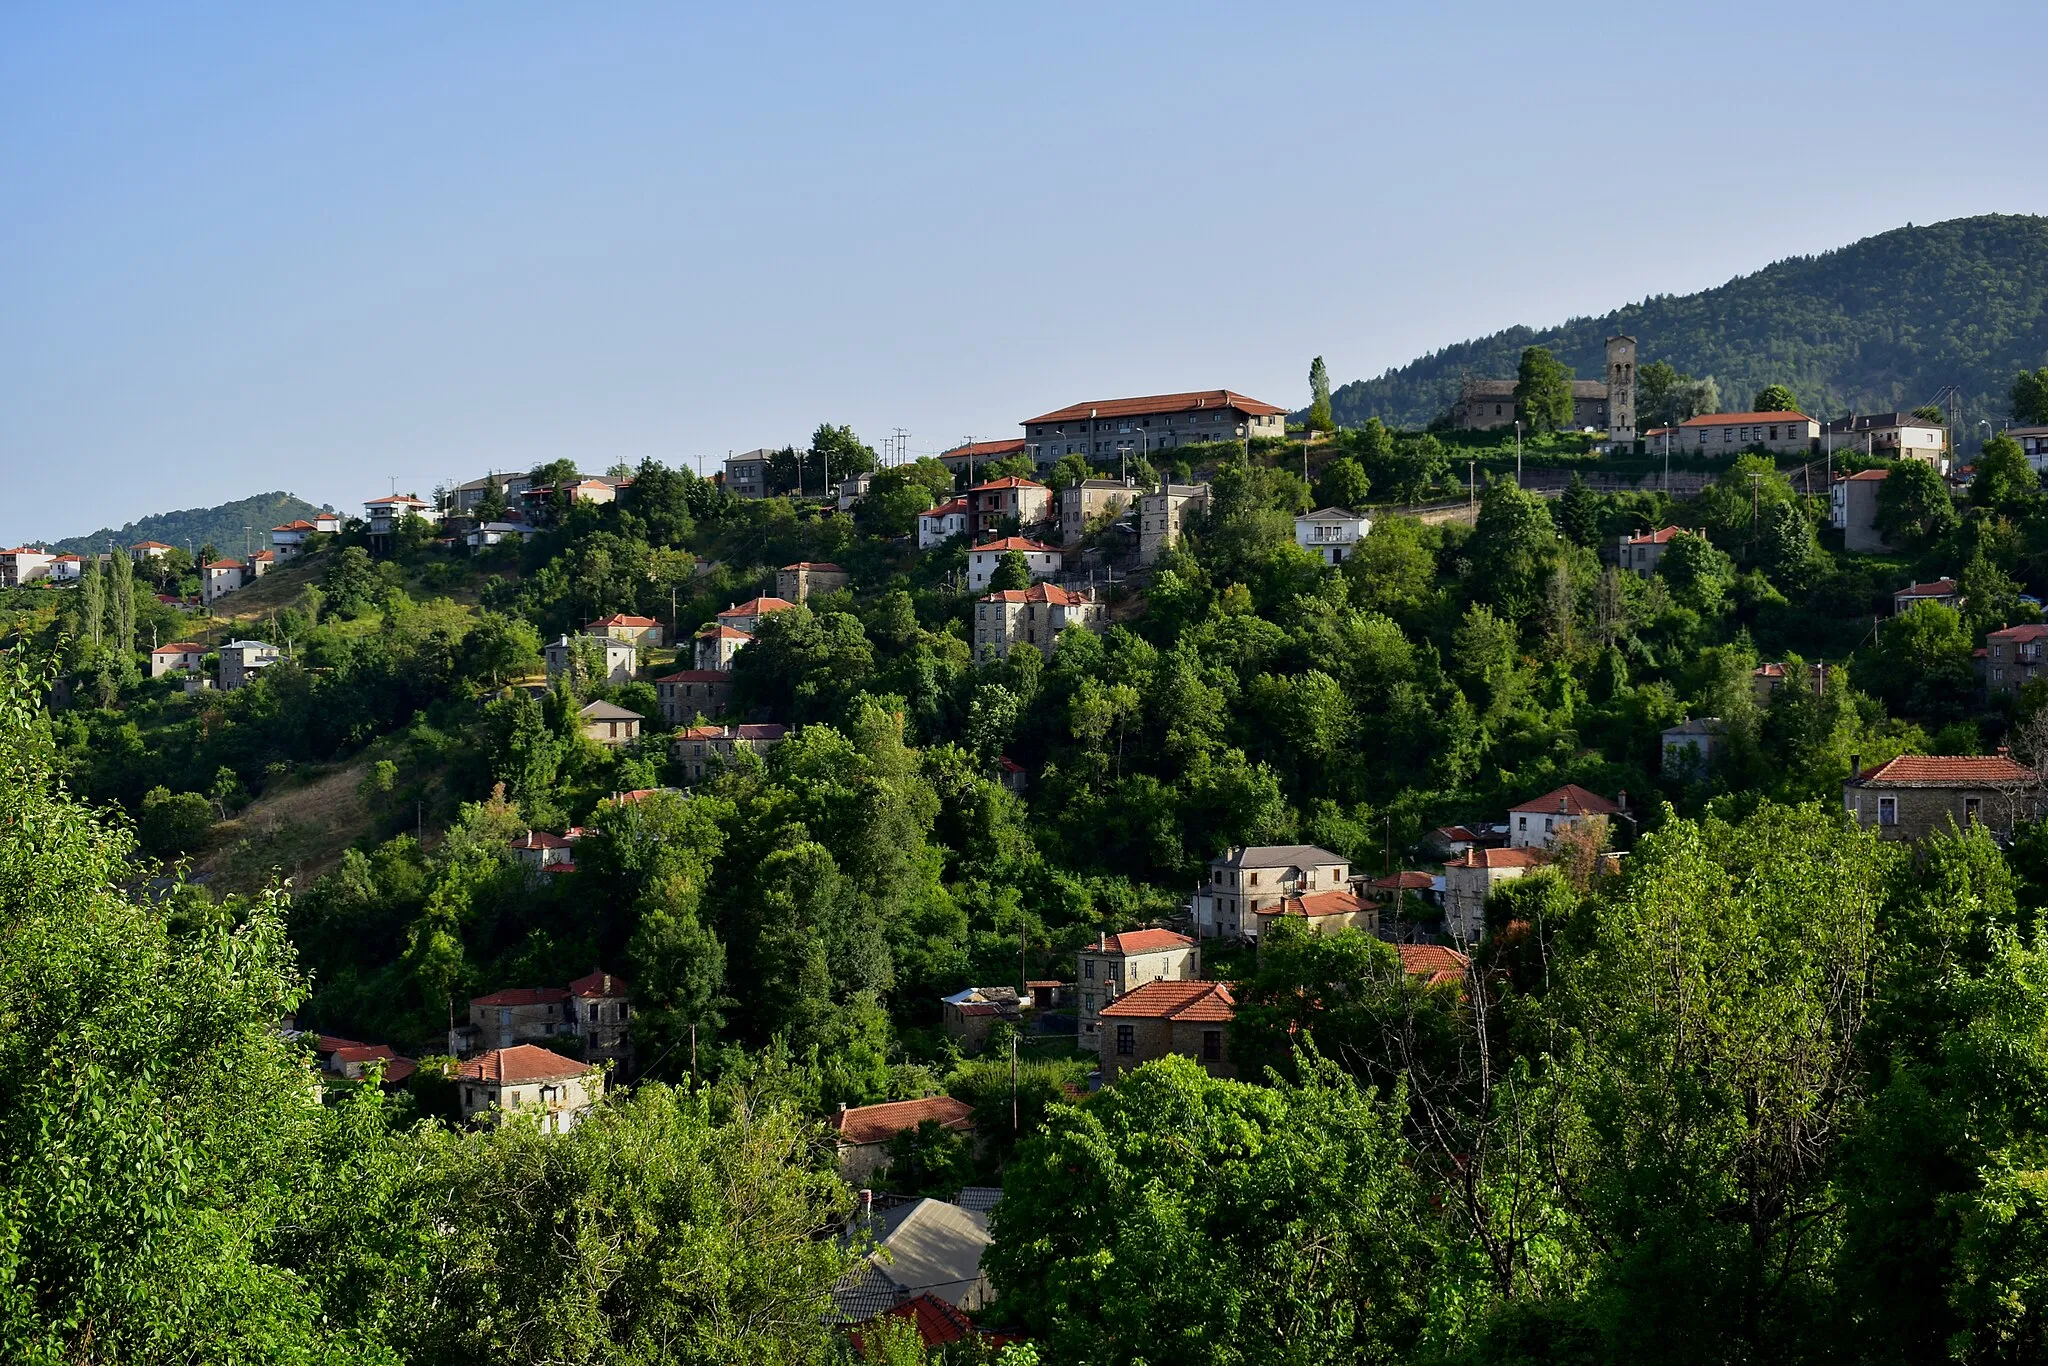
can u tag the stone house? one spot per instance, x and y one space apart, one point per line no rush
862 1132
527 1079
1102 429
610 725
691 693
242 660
639 631
1894 436
544 852
1852 510
1914 795
1091 500
1025 501
970 1013
1188 1018
717 643
616 659
983 560
1246 879
746 616
1032 616
746 475
1324 912
1729 434
796 582
1534 823
701 750
180 656
1471 878
1640 554
1942 591
1120 962
594 1011
2013 657
1331 534
1163 516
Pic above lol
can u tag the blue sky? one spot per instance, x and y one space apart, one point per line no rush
316 248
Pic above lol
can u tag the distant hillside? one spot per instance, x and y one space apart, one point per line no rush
1880 325
194 527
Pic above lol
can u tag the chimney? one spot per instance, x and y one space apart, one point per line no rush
1621 800
1855 767
842 1110
1101 942
2005 751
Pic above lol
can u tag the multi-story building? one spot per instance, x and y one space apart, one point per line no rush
966 458
526 1078
23 565
609 724
1091 500
1245 880
746 616
289 539
796 582
1786 433
1916 795
1640 554
1163 515
640 631
700 750
385 514
1188 1018
1605 405
1852 510
1009 498
1137 427
690 693
464 498
1942 591
220 578
936 526
1044 561
746 476
2033 444
1471 877
180 656
66 569
617 659
1120 962
2014 658
544 853
242 660
1894 436
1535 823
1032 616
1331 534
717 644
150 550
590 1015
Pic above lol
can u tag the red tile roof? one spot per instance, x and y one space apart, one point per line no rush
178 647
1158 403
1407 880
598 984
1499 858
2019 635
301 525
223 564
938 1323
1162 1000
621 619
1038 592
1455 832
1661 536
522 1062
1576 801
1008 481
148 545
755 607
1723 419
539 839
985 450
522 996
1434 963
1143 941
1940 588
718 631
331 1043
863 1124
951 508
1029 547
1948 770
698 675
1867 474
1315 905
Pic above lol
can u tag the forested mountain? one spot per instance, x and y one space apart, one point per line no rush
191 528
1879 325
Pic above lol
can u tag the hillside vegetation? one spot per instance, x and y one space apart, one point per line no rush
1879 325
222 526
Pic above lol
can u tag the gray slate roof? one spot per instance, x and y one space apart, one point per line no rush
1278 856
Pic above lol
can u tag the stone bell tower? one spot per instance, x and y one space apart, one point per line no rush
1621 390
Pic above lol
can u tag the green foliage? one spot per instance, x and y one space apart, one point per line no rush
1342 484
1700 575
174 823
1012 572
1774 398
1913 507
1973 288
214 526
1319 419
2029 397
2005 484
1543 391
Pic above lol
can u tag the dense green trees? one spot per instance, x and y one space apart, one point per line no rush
1774 398
1319 419
1543 391
2030 397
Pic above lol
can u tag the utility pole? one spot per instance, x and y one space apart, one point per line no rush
1471 482
1014 1126
1518 453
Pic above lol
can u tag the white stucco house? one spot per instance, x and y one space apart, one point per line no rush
1331 534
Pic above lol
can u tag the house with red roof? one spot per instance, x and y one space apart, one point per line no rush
1471 877
746 616
386 515
149 550
1640 553
1188 1018
1730 434
1032 616
66 569
862 1132
289 539
1535 823
2013 657
1852 510
526 1079
969 456
717 643
796 582
543 852
1024 502
1915 795
971 1012
983 560
1119 963
1245 880
24 565
688 694
220 578
1101 428
1324 912
640 631
1433 964
703 750
177 656
589 1017
1941 591
938 525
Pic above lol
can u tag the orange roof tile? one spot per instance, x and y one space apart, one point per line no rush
598 984
1948 770
754 607
1142 941
522 996
1724 419
522 1062
1571 800
1408 880
1499 858
1940 588
863 1124
984 450
621 619
1315 905
1028 546
1158 403
1661 536
1434 963
1038 592
1163 1000
1008 481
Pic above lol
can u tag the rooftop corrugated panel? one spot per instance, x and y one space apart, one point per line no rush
1198 400
1202 1002
864 1124
1949 770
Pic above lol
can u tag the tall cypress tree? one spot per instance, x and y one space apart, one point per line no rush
121 602
92 602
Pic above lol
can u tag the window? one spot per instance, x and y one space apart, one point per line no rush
593 1012
1088 969
1212 1045
1973 810
1887 810
1126 1040
1522 823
